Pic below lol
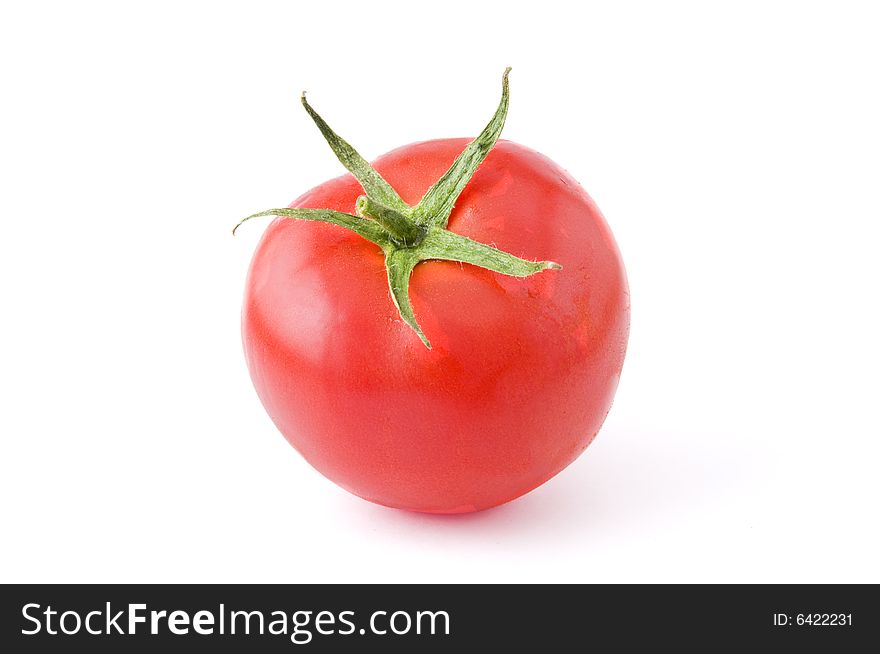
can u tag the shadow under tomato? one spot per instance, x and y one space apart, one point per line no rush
627 478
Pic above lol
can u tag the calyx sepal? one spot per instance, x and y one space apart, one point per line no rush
408 234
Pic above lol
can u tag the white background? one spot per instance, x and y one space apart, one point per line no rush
733 150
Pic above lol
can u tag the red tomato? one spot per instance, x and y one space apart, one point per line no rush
522 370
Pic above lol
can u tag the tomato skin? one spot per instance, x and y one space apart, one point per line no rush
522 371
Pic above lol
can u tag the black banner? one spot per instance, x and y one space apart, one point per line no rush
433 618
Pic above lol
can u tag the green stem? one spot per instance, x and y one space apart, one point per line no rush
442 244
402 229
436 205
400 264
374 184
367 228
410 235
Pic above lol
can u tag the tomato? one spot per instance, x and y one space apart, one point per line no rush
521 371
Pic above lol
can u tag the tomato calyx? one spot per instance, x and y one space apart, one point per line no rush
402 229
409 235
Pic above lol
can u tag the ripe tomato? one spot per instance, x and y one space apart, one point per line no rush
521 372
